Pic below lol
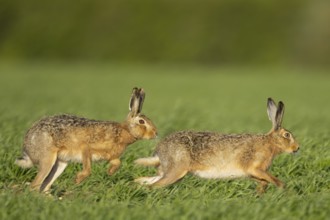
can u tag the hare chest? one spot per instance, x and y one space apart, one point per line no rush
221 172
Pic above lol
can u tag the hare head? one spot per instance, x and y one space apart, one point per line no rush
140 126
282 138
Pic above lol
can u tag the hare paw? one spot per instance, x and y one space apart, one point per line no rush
80 177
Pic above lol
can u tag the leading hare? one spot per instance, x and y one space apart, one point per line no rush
215 155
53 142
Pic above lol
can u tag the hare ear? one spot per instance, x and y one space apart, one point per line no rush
279 114
133 102
136 101
141 99
271 111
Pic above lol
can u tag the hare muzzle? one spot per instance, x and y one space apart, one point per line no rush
153 134
295 148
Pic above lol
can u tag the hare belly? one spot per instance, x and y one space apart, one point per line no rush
70 156
220 173
76 156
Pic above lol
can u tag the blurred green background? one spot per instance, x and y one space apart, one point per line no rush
195 31
205 65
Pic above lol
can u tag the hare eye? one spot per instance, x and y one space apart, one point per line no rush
287 135
142 122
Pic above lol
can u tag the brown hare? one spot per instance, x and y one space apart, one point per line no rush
216 155
53 142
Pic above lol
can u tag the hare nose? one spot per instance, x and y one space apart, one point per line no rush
296 150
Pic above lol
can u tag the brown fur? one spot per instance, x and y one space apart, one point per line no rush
216 155
53 142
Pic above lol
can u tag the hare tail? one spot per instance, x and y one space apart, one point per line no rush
148 161
24 161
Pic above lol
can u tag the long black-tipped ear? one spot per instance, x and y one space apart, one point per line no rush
141 100
279 114
133 102
136 101
271 111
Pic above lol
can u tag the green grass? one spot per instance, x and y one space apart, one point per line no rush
178 97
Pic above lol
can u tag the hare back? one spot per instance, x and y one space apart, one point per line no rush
73 130
208 143
59 123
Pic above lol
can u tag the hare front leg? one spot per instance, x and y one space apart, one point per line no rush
86 161
265 176
261 188
114 166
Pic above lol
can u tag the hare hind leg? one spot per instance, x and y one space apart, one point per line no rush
45 166
162 179
150 180
147 180
56 171
171 176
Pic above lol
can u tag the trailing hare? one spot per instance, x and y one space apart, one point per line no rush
53 142
215 155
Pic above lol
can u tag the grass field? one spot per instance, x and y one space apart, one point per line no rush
224 99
